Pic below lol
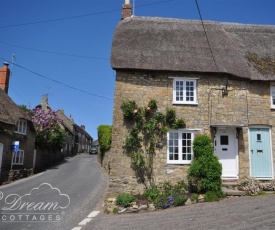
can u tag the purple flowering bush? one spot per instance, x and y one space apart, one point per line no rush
47 126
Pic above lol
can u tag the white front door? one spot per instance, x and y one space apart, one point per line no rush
1 154
226 149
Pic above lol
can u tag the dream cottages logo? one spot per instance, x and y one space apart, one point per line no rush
42 204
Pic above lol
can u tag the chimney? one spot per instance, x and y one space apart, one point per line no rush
44 103
82 126
5 77
71 119
126 10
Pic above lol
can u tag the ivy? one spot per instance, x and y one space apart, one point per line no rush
147 129
104 138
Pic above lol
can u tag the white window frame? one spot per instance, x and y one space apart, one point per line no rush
18 157
184 82
272 95
21 127
180 146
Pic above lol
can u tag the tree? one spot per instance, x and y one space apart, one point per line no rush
47 126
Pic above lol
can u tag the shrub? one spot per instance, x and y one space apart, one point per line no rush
162 201
180 187
202 145
125 199
168 188
152 193
205 171
204 174
179 199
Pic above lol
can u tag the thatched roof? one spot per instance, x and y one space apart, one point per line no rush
162 44
9 111
81 130
67 122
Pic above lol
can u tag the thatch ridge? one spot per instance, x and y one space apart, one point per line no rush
10 113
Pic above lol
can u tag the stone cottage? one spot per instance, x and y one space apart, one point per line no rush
17 134
221 81
67 124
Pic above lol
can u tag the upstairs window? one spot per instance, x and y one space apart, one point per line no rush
18 157
21 127
184 91
272 96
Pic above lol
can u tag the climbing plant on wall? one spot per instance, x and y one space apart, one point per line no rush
147 130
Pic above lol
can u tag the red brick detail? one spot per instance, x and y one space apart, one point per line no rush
5 77
126 11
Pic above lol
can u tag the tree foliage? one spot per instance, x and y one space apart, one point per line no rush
47 126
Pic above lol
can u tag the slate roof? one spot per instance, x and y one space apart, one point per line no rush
165 44
9 111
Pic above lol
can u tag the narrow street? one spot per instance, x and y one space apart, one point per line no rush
77 185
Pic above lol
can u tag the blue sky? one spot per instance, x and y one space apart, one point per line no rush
62 47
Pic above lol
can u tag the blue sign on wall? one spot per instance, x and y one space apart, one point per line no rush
15 146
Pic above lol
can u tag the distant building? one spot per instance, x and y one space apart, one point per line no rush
83 141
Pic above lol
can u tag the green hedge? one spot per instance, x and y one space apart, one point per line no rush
104 138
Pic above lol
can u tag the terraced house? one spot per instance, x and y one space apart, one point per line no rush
219 77
17 134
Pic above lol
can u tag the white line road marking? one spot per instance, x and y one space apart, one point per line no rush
77 228
85 221
93 214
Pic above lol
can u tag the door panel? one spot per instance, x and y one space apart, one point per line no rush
260 153
226 151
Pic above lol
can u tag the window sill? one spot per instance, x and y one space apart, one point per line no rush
25 134
184 103
179 163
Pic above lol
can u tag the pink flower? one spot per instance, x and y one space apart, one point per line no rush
135 111
148 108
159 125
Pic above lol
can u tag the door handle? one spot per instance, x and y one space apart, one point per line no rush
252 151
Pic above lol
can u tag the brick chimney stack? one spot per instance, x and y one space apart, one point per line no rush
5 77
126 10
